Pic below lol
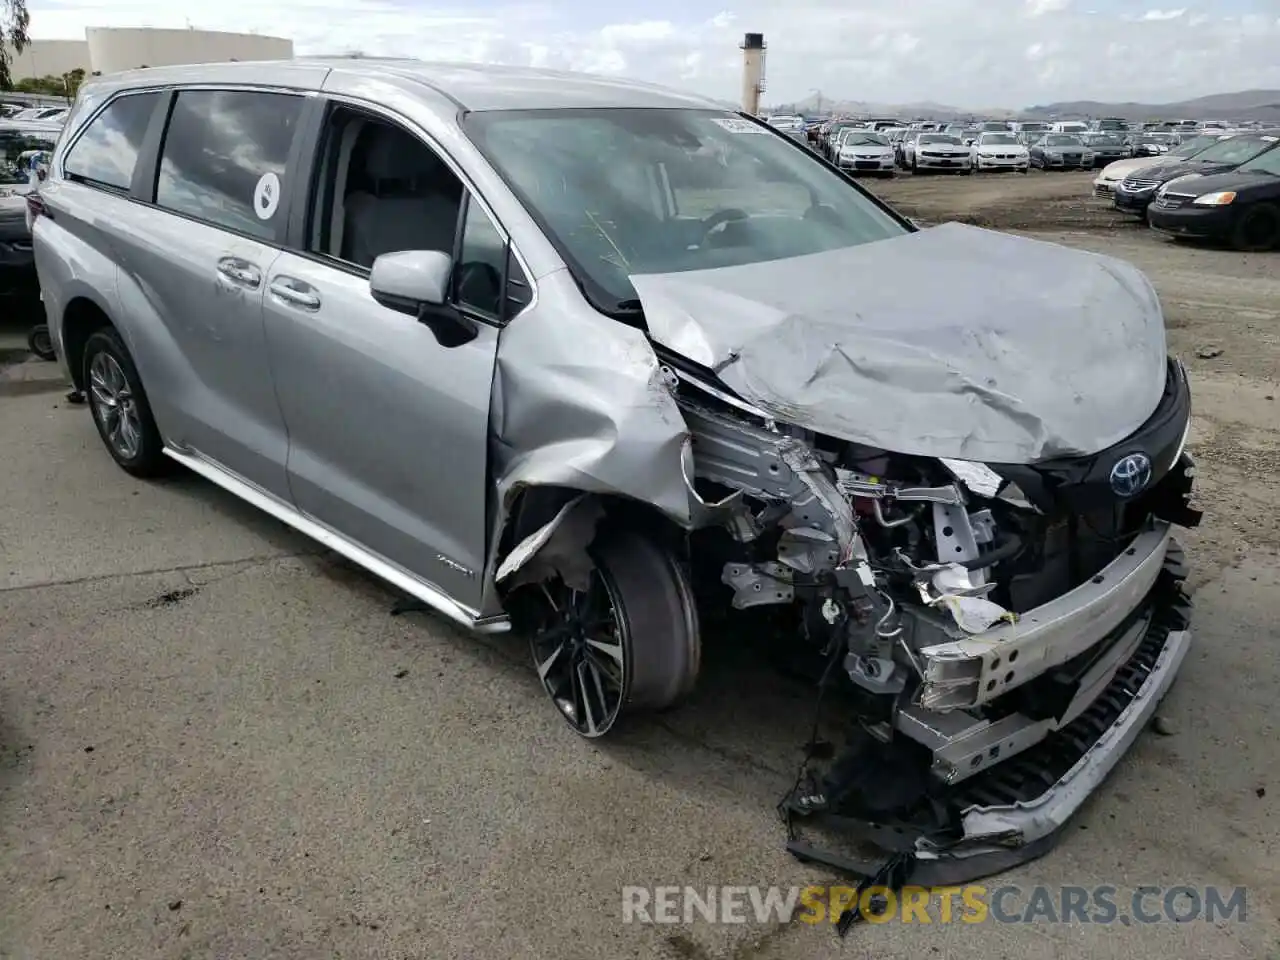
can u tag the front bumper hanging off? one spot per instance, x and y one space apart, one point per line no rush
960 828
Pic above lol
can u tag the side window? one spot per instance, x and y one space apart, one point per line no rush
380 190
107 151
482 258
224 158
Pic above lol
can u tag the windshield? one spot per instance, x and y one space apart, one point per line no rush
1236 150
1268 162
939 138
1195 145
631 191
860 139
1106 140
14 145
1063 141
1157 137
998 138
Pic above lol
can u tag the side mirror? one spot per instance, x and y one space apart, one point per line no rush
416 282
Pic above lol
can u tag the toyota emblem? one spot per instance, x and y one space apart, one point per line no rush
1131 474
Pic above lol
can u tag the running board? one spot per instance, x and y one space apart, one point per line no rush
326 536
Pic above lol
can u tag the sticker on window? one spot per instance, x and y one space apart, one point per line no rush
266 197
737 125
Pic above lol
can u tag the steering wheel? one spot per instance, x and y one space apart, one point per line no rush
718 219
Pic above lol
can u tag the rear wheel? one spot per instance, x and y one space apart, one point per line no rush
119 405
626 644
1257 229
40 343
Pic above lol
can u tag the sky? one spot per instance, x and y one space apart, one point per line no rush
967 53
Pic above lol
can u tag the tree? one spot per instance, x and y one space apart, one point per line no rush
14 21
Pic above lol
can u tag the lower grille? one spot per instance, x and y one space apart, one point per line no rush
1028 775
1102 190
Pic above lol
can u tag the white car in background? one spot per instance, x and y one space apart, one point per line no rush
936 151
998 151
865 151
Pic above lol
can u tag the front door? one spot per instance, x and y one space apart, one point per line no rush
388 429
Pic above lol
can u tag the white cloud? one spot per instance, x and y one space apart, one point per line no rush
1038 8
972 53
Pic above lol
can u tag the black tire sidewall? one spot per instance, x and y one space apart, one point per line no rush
40 343
1239 239
150 460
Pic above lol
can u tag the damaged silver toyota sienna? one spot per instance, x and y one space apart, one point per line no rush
587 358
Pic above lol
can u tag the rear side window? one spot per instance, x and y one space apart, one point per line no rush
106 153
224 158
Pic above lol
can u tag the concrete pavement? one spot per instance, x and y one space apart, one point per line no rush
215 741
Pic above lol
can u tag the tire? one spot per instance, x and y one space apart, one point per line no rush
109 371
651 615
1257 229
915 167
40 343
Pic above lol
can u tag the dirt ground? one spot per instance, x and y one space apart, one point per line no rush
215 742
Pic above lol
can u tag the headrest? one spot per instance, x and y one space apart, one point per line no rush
392 154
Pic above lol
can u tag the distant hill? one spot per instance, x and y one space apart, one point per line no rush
1246 105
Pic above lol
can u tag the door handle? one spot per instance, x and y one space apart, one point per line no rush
240 271
295 293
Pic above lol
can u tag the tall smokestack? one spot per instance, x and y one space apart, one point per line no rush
752 72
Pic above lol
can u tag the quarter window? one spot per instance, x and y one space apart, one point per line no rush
225 156
480 264
107 151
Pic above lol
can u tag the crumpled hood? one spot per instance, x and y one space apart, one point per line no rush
950 342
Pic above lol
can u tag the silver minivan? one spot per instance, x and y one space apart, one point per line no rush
596 360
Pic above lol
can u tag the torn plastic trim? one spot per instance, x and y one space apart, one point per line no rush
976 669
1026 822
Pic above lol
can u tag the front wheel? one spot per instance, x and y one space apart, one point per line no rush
627 643
120 408
40 343
1258 229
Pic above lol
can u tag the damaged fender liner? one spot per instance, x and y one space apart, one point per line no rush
1016 811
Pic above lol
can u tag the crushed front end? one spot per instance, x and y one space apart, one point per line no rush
1002 633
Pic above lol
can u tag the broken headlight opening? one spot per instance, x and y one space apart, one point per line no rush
1001 633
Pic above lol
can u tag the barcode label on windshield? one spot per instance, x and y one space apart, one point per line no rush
737 125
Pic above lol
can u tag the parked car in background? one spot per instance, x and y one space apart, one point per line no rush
24 152
1104 185
998 151
1060 151
1107 147
1135 193
862 151
1154 144
1033 129
1241 207
927 152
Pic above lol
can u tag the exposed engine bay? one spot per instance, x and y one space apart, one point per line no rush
975 610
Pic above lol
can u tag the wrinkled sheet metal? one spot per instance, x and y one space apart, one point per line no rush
579 401
949 342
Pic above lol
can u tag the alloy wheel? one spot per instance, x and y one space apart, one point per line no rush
114 405
580 652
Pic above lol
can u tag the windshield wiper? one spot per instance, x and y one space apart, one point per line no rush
628 308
